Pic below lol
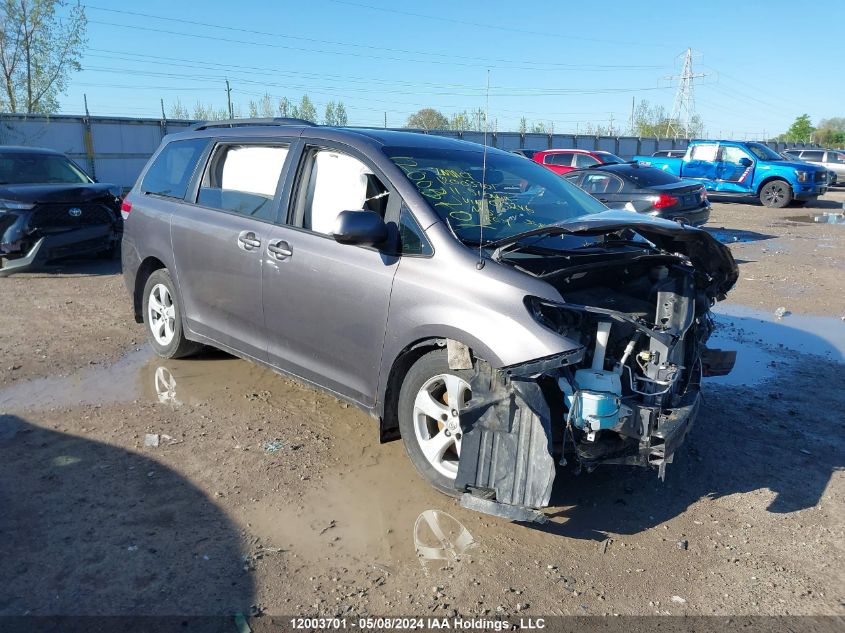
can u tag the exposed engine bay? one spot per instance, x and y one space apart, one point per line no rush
626 394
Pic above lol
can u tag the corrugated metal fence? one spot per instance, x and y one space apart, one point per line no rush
115 149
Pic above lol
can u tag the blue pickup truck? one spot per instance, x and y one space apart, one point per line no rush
745 169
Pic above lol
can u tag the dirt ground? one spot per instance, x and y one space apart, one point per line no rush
267 497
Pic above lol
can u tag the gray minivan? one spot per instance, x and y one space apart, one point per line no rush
493 314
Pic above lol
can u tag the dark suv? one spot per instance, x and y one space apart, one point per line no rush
50 208
470 299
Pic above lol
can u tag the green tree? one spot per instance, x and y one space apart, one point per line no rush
428 119
460 122
538 128
801 129
653 120
38 52
831 132
209 112
330 118
178 111
305 110
265 107
340 115
284 107
253 109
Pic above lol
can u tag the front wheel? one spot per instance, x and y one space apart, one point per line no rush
430 402
163 318
776 194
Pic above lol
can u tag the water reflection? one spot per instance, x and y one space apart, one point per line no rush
164 384
837 217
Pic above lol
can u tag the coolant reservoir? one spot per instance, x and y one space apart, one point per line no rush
596 398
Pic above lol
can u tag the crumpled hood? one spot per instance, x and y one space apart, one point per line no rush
70 193
704 251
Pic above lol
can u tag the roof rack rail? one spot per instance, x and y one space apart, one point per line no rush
247 122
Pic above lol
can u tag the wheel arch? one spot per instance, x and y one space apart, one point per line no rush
769 179
388 401
147 268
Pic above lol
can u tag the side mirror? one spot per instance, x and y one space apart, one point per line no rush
745 162
364 228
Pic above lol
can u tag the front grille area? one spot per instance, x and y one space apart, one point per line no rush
821 176
58 216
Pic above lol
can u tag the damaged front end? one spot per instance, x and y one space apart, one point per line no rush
627 393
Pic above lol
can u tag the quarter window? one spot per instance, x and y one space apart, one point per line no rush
171 172
337 182
835 157
585 160
243 179
411 236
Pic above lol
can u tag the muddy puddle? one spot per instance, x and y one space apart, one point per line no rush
765 343
369 507
837 217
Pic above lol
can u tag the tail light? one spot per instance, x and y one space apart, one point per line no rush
125 208
665 200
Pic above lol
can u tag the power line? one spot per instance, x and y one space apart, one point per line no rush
589 67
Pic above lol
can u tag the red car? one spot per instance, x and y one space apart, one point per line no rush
562 161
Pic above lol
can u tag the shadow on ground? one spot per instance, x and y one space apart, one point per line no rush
785 435
137 538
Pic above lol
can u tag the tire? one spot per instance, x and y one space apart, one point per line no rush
167 339
776 194
430 375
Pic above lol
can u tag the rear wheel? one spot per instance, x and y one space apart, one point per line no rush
163 318
776 194
430 401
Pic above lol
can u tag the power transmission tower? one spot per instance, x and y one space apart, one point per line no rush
683 110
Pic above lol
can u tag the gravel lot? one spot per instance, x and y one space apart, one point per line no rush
264 496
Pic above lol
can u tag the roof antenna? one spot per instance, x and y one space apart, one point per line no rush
482 208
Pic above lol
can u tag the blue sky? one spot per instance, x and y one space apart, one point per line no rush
566 63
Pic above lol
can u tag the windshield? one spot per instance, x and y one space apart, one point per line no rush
30 169
763 152
519 195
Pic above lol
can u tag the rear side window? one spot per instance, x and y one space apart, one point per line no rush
242 179
835 157
705 152
816 156
600 182
171 172
564 158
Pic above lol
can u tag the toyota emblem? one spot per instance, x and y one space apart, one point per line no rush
74 212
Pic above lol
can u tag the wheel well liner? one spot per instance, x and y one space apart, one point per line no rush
389 419
147 268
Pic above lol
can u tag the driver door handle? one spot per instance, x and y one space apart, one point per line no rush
248 241
280 249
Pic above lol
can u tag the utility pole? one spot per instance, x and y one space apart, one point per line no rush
683 110
229 100
610 132
163 115
385 120
633 102
85 98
